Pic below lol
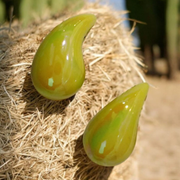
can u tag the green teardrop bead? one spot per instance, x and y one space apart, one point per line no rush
110 136
58 69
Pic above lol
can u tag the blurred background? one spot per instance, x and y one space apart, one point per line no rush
157 33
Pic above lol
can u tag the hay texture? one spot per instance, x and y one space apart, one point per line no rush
42 139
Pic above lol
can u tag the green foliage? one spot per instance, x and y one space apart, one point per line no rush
33 10
57 5
75 5
40 6
2 12
172 33
25 10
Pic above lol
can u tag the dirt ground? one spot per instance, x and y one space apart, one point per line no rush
160 140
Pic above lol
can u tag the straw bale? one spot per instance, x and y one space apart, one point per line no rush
42 139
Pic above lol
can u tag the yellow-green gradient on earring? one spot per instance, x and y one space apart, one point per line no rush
58 69
110 136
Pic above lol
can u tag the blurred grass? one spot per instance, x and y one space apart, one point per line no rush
33 10
2 11
172 33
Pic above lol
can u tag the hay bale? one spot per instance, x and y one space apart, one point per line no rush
42 139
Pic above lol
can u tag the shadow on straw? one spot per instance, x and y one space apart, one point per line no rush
88 170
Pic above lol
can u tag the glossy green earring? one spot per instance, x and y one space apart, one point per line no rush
58 69
110 136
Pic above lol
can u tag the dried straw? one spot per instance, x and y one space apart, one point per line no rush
42 139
